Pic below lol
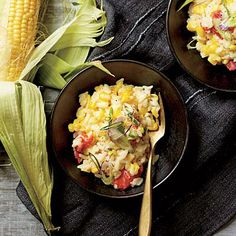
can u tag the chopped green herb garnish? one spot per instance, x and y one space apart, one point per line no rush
110 115
95 161
109 118
113 125
111 112
133 119
128 129
131 116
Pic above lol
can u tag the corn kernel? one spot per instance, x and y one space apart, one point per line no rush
192 25
91 105
143 110
133 169
200 31
71 127
104 96
225 61
94 170
19 21
154 126
198 9
98 88
118 85
101 115
116 113
232 47
154 112
125 97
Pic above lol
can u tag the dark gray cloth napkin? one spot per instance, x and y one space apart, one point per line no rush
200 197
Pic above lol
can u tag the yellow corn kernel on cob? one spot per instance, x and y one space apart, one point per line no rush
21 34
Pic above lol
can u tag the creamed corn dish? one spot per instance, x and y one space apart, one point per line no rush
214 22
110 132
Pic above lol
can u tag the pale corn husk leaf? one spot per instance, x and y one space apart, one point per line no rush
185 4
43 48
97 64
77 56
69 41
57 63
25 142
49 77
74 56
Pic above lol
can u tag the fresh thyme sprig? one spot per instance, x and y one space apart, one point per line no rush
113 125
131 116
95 161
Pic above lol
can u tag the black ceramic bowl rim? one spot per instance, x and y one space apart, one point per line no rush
179 61
185 141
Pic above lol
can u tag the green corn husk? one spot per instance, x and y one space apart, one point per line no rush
22 116
185 4
23 135
58 82
65 51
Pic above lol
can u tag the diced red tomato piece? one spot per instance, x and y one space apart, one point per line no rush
79 148
77 156
231 29
213 31
124 180
88 141
85 141
206 29
231 65
217 14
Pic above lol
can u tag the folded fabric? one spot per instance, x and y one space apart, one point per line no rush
200 196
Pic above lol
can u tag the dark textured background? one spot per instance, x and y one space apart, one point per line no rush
201 195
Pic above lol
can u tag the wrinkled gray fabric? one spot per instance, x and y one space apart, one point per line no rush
200 197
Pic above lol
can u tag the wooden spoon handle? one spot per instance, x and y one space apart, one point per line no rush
145 220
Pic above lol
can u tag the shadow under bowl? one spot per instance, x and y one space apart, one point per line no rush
170 148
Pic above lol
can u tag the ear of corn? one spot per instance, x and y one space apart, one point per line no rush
68 47
25 141
20 23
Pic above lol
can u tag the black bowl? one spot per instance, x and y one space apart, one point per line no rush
171 147
217 77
